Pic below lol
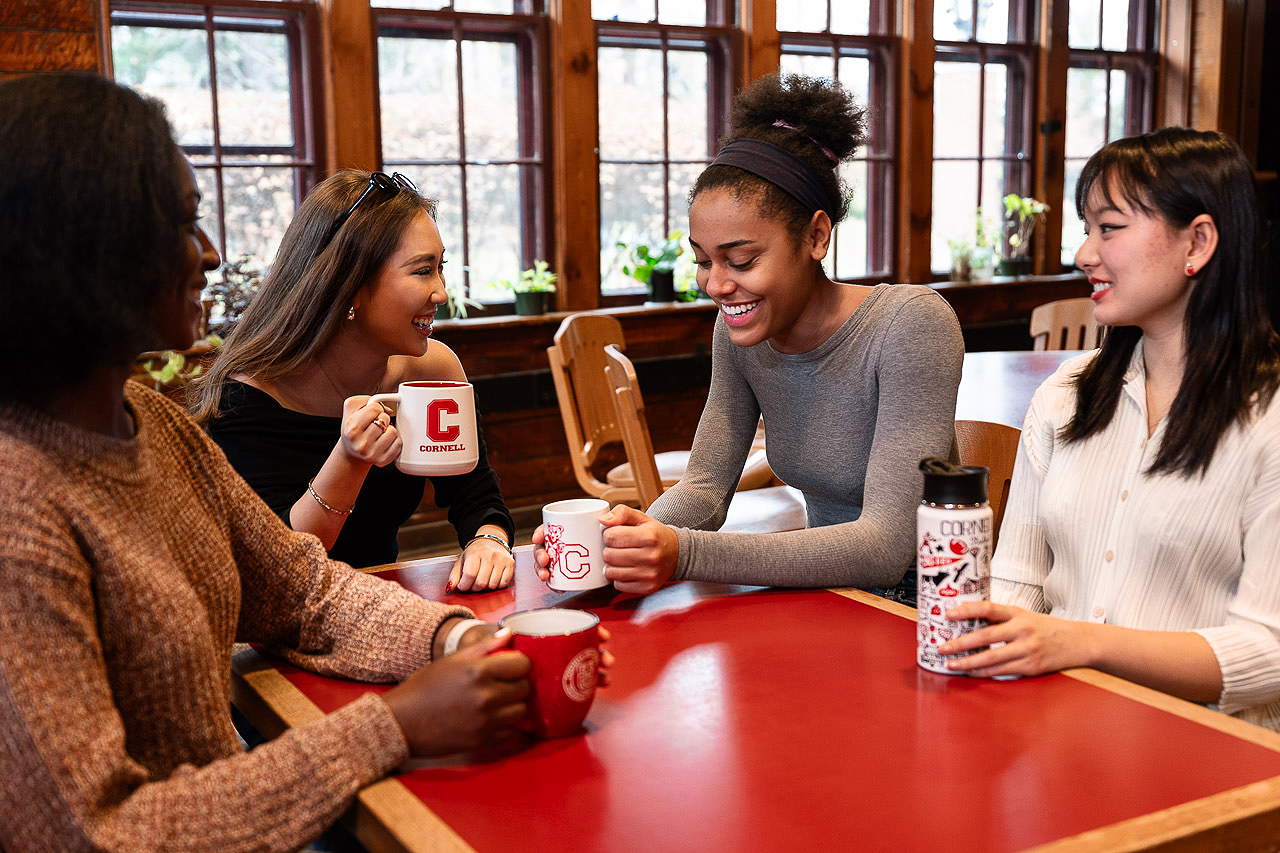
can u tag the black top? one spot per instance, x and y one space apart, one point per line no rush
278 450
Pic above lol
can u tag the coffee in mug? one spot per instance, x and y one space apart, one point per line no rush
563 647
437 425
574 542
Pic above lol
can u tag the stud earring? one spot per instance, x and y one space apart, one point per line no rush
351 310
1191 270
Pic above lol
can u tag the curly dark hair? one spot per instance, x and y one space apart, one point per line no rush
823 114
90 226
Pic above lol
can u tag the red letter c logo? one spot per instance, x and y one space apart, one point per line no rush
435 430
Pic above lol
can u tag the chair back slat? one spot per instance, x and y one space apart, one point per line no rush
1065 324
995 446
584 396
629 411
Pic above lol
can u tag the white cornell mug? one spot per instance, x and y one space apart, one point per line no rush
575 543
437 424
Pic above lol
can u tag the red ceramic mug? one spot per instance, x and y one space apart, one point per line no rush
563 647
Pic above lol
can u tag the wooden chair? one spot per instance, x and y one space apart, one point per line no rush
1065 324
766 510
590 423
995 446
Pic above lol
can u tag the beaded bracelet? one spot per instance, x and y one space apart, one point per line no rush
497 539
316 495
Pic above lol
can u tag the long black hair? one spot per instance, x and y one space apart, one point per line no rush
820 118
1232 361
90 227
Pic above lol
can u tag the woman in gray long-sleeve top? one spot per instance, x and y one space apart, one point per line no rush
856 384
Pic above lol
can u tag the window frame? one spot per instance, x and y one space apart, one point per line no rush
300 24
882 54
527 30
1018 52
1141 62
720 37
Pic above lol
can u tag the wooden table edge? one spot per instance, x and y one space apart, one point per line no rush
1254 810
386 817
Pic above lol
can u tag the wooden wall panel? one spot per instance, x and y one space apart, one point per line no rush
758 20
81 15
575 155
915 143
351 91
1048 134
50 35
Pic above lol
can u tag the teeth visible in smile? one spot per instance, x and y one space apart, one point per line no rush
1101 285
739 309
422 322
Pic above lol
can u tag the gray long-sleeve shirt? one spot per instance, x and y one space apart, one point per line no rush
847 423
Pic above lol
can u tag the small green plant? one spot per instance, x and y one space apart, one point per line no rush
1021 216
456 301
164 373
642 260
537 279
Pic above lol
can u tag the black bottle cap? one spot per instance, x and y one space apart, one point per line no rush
945 483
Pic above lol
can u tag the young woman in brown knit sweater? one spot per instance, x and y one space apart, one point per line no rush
128 539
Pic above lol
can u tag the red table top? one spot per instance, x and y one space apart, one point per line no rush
741 718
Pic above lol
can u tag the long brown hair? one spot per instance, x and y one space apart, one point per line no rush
1232 352
304 298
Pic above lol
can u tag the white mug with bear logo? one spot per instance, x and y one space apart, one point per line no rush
575 543
437 424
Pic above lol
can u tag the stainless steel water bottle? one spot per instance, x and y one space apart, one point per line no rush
953 554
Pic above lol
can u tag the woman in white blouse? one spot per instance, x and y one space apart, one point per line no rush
1142 535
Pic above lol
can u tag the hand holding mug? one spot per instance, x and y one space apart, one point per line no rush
472 698
640 553
367 433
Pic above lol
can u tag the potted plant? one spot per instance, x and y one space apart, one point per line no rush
973 259
655 267
1021 216
533 289
456 302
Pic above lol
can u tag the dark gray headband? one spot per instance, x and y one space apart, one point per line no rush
781 168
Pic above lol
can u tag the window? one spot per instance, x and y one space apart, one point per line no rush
982 109
664 89
848 41
1110 81
238 93
461 112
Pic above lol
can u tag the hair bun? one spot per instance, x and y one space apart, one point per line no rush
798 113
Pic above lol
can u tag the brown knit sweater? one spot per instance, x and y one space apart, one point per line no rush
127 570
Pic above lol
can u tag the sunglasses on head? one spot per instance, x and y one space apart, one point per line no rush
377 181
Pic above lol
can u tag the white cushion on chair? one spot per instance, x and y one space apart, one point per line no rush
671 467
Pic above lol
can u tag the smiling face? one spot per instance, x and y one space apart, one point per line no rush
178 314
397 309
1137 262
760 274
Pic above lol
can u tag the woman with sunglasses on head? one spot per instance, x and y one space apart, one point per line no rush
346 312
132 556
856 384
1142 532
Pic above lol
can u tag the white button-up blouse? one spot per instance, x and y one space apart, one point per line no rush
1088 535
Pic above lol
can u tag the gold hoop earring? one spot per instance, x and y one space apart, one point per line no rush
351 312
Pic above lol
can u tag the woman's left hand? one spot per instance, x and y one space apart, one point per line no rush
1034 643
483 564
